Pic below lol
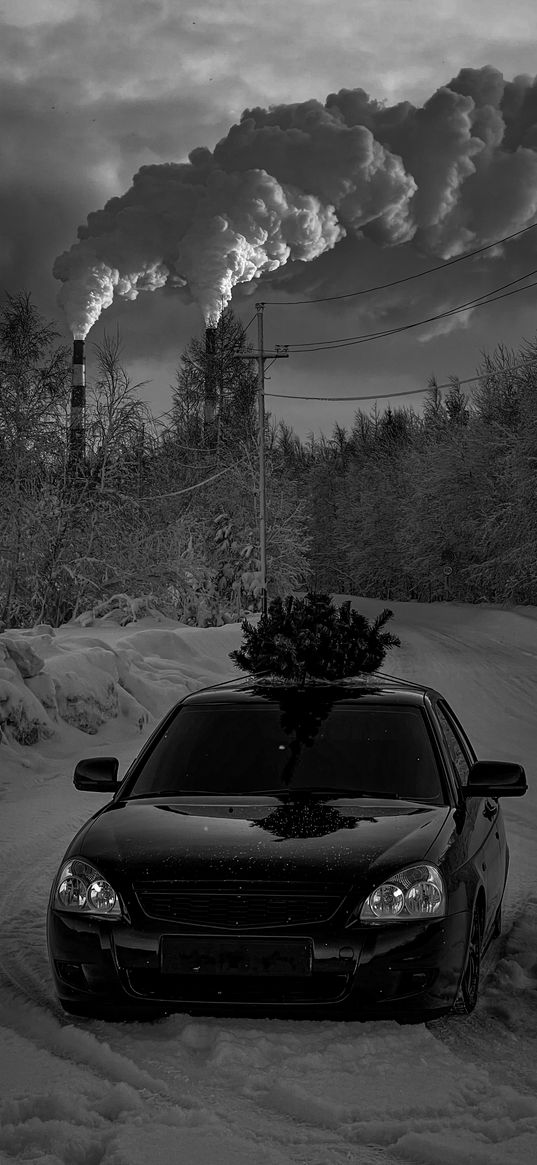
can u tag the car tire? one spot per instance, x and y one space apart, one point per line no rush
468 992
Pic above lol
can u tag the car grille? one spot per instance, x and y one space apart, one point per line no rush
324 988
248 906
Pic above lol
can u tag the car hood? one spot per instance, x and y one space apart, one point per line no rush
270 838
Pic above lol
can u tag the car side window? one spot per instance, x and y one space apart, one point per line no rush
453 745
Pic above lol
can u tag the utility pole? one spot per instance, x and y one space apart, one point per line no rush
261 355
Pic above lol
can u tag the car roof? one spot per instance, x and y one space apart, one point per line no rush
370 688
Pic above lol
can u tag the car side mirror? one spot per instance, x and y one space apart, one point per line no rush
97 774
496 778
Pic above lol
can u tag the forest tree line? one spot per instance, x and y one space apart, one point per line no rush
403 505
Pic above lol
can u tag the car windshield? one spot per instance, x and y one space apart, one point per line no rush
379 751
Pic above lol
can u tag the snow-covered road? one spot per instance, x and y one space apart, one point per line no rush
185 1091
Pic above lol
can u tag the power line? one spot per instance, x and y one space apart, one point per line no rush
319 345
367 337
409 392
373 396
188 489
482 375
250 324
404 279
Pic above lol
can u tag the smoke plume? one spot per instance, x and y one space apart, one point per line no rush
290 183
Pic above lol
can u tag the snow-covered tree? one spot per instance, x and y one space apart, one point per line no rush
34 372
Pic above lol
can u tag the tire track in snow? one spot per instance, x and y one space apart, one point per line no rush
23 954
502 1032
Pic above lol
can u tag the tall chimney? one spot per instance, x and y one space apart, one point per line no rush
209 411
78 407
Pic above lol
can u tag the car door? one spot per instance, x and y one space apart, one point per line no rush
487 844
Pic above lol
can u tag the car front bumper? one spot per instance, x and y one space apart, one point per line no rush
406 970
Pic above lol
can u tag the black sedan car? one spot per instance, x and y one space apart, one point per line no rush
325 849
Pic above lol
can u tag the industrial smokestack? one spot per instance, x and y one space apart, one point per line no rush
78 407
209 411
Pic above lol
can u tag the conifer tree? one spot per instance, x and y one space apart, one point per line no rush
312 637
235 387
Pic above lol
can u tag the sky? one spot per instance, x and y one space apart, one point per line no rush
334 196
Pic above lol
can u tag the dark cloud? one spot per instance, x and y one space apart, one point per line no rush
92 91
293 182
85 100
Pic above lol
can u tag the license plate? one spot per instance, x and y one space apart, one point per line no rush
198 956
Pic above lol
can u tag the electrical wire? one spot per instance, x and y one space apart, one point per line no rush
319 344
367 337
409 392
404 279
188 489
491 296
250 324
373 396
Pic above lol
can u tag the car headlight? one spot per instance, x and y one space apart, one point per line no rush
81 889
417 892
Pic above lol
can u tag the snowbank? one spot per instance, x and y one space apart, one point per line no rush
86 674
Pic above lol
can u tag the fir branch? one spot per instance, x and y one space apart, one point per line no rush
311 637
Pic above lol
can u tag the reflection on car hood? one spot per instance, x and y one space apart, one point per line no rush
259 837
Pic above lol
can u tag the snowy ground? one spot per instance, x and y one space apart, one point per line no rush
253 1092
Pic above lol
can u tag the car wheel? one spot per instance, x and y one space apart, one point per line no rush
469 986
